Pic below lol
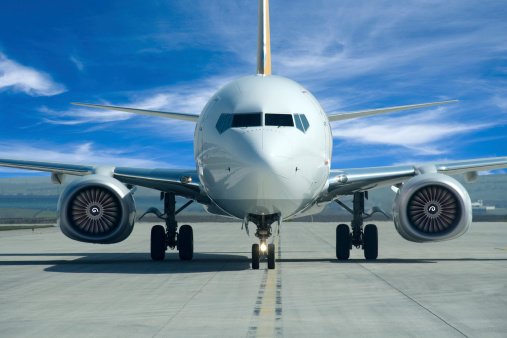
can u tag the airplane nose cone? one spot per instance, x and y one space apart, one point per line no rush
259 177
268 153
259 174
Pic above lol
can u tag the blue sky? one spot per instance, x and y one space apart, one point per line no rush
173 55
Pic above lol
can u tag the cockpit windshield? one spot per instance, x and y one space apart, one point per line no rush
280 120
227 121
246 120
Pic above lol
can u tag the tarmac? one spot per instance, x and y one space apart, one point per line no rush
51 286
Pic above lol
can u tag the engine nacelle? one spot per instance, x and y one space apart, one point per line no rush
96 209
432 207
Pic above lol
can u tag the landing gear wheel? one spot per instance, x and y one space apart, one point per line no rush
255 256
271 256
158 245
186 242
342 241
370 244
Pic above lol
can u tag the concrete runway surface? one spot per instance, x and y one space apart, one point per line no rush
51 286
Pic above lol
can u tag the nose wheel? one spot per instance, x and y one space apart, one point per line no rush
257 253
264 231
255 256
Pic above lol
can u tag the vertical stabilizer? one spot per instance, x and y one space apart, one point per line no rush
263 42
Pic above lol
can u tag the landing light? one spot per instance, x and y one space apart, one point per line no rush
263 247
185 179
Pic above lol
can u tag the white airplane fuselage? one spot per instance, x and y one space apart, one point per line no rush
267 163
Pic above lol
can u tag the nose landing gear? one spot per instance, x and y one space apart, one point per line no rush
268 252
263 232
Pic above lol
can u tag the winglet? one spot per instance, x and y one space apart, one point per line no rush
263 40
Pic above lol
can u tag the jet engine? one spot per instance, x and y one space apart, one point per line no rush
432 207
96 209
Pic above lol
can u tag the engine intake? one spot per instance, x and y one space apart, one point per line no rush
96 209
432 207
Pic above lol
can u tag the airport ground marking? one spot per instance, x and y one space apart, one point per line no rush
267 314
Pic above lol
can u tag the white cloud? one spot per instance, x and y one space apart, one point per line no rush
500 101
419 132
185 98
79 64
85 152
75 116
189 97
20 78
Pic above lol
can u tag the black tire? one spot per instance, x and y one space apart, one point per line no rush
255 256
158 243
370 241
186 242
342 241
271 256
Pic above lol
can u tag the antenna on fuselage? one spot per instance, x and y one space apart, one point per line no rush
263 42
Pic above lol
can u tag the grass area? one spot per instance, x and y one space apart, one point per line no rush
17 212
23 227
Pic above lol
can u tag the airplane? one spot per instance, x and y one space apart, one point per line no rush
263 147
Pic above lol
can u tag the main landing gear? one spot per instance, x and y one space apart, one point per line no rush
263 232
162 238
366 238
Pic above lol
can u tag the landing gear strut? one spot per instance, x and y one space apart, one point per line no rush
162 238
366 238
263 232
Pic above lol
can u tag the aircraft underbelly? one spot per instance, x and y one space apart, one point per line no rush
254 193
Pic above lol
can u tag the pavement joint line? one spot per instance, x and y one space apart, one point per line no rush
413 300
392 286
157 290
267 315
190 299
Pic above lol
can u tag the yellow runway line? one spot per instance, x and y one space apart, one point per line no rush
270 310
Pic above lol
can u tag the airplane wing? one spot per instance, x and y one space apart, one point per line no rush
347 181
169 115
181 182
369 112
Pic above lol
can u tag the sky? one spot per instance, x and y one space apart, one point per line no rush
173 55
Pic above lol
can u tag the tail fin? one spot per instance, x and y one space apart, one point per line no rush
263 40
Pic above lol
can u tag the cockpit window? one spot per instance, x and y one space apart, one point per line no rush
246 120
306 124
301 122
280 120
224 123
220 123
